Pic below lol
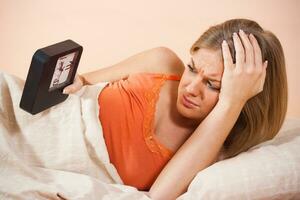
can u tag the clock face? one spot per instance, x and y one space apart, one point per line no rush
63 69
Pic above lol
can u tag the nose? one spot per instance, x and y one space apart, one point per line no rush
196 86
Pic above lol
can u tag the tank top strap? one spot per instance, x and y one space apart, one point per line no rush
148 126
172 77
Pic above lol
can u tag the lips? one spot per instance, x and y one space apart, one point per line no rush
189 103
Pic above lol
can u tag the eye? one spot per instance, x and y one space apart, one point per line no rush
211 86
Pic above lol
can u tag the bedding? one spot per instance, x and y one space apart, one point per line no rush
61 154
270 170
57 154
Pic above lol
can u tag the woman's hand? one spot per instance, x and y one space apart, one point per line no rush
246 77
75 86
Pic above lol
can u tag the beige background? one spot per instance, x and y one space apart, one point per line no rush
111 31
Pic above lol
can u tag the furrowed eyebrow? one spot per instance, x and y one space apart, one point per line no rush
193 64
208 75
215 80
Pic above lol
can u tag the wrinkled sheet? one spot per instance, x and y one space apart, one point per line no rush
270 170
59 153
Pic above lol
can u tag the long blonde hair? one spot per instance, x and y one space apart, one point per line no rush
263 115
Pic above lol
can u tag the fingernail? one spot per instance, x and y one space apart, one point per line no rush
235 34
64 91
241 31
224 42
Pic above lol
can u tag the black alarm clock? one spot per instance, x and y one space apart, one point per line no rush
52 68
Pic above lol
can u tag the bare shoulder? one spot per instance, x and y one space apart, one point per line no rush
167 61
154 60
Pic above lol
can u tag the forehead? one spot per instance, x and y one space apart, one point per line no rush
209 60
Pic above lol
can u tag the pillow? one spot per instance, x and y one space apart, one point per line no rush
270 170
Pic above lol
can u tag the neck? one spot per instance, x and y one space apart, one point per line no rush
187 125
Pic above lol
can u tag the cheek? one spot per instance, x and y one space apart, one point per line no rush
185 79
212 98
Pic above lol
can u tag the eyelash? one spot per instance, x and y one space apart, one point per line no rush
211 86
191 69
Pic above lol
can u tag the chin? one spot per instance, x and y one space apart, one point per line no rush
190 113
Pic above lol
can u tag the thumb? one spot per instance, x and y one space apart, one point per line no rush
69 89
76 85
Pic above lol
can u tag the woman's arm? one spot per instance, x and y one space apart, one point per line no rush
197 153
240 82
155 60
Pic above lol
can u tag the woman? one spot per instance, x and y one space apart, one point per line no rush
227 101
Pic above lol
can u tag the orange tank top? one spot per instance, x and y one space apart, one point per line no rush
126 113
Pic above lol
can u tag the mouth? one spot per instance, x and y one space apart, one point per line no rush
188 103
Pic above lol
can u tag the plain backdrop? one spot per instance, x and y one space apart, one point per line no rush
111 31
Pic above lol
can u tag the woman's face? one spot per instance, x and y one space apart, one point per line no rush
199 87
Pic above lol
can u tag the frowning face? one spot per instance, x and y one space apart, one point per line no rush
199 87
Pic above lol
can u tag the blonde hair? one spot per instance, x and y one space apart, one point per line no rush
263 115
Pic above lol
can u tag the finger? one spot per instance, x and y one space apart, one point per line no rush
249 53
72 88
263 76
69 89
257 51
228 63
265 64
239 51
